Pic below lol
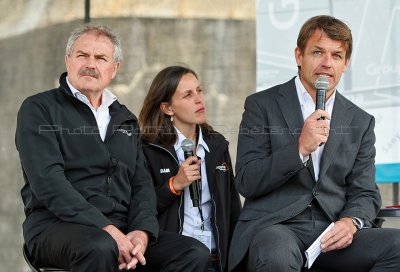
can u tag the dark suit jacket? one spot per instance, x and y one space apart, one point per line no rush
274 181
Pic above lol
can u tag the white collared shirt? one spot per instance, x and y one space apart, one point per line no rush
307 108
102 114
192 220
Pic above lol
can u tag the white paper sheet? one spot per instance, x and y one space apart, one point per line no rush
315 249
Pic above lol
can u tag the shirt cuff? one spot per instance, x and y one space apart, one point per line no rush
304 159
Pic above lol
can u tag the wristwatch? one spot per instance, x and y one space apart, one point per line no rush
357 223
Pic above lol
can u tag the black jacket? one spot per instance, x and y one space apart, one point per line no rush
163 164
72 175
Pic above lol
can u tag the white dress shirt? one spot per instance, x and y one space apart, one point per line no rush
192 220
102 114
307 108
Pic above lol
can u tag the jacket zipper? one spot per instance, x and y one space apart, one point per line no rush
180 207
106 139
108 185
217 231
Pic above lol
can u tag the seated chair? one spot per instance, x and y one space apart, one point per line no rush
388 174
34 267
390 211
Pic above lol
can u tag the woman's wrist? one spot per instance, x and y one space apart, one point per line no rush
172 188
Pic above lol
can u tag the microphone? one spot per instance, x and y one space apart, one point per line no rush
194 188
321 85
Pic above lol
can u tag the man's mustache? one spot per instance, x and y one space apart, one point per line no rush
89 72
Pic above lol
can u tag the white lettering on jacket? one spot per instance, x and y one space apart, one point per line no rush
164 170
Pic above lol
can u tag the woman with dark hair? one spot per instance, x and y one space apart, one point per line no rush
174 110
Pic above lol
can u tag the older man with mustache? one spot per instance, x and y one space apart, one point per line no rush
89 201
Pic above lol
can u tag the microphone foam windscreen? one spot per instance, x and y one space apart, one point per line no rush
321 83
187 145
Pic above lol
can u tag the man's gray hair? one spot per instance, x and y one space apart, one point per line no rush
100 30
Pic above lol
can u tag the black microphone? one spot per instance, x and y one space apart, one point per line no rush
194 188
321 85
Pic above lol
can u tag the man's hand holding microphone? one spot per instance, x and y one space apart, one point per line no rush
315 131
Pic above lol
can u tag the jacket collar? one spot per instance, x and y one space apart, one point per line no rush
181 137
290 108
216 142
119 113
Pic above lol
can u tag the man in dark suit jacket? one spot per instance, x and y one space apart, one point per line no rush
299 173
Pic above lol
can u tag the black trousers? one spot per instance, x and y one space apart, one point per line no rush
84 249
281 247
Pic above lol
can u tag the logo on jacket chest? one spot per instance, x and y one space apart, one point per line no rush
127 130
223 167
164 170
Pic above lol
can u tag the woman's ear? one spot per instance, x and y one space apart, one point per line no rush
165 108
